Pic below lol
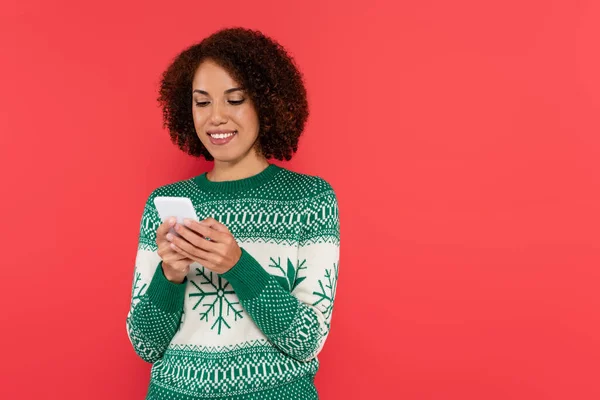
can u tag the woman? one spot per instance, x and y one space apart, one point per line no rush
237 305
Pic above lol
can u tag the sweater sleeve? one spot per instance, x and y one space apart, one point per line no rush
296 321
156 303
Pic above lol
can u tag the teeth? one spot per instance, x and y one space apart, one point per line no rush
222 135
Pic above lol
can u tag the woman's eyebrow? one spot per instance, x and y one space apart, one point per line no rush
235 89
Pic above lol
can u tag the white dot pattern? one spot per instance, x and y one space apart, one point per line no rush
153 330
290 325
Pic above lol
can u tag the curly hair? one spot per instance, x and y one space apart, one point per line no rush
264 69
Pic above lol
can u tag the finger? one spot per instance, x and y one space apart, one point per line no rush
170 255
213 223
203 230
176 256
180 266
206 250
165 251
165 226
175 259
187 235
193 253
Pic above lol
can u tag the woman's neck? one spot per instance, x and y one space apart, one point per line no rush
230 171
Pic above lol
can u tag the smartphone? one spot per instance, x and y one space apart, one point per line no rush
178 207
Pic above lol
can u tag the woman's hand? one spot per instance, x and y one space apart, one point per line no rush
175 265
208 243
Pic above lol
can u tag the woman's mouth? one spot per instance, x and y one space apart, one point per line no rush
220 138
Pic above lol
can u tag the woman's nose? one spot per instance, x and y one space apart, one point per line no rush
218 116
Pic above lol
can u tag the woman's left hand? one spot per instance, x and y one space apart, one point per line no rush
208 242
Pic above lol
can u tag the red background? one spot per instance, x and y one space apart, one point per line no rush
462 140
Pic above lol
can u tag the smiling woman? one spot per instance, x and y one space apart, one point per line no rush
244 314
223 113
235 67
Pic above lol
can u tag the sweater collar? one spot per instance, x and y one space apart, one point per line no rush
237 185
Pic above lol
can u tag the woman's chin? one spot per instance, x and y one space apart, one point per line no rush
225 156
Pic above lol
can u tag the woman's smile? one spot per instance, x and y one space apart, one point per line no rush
221 137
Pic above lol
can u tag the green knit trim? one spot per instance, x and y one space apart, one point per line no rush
164 294
237 185
247 277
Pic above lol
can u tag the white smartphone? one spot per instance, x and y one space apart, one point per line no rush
178 207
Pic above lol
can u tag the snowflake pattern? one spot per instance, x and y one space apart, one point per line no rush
290 279
327 292
137 291
214 301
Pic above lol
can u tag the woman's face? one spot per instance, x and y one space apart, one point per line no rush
225 119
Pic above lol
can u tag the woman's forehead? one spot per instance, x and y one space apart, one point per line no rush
211 77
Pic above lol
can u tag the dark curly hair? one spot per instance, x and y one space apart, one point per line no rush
264 69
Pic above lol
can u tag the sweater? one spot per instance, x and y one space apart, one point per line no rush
253 332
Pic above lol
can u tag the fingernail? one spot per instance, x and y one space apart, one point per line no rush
172 221
169 237
187 222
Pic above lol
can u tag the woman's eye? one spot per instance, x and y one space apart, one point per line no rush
201 103
236 102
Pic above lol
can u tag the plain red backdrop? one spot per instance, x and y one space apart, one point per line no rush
461 138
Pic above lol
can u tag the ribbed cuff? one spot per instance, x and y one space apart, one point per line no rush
247 277
164 294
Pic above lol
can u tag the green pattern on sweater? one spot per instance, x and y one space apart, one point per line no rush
255 331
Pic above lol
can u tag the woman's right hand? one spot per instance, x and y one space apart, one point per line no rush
175 266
